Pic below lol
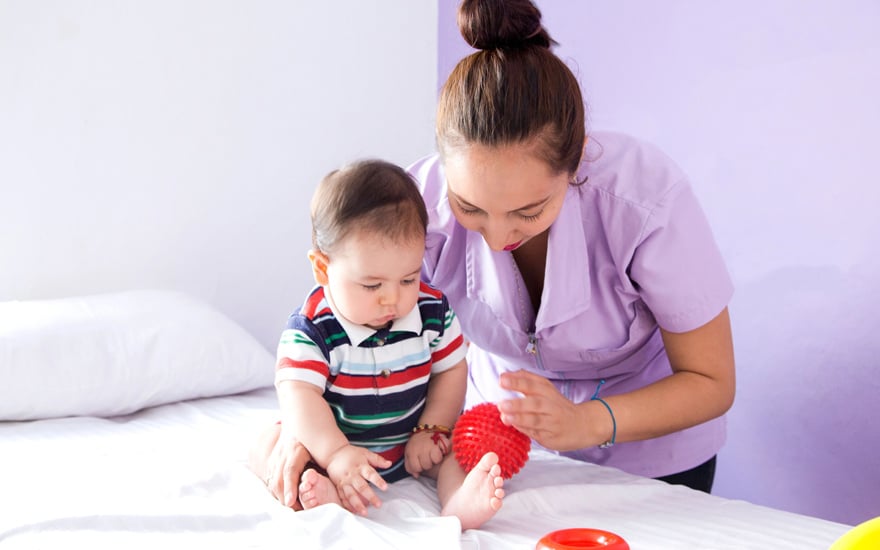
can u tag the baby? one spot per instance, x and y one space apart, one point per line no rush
371 370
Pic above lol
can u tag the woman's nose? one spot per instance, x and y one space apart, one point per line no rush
497 235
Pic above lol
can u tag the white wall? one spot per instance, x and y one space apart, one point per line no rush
772 109
175 144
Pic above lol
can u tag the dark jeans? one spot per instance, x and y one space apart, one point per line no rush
699 478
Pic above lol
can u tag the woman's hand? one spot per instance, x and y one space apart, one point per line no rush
702 387
284 467
543 413
423 453
353 469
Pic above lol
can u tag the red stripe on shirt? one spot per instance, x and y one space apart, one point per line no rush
316 366
433 292
394 453
312 303
404 377
399 378
440 354
347 381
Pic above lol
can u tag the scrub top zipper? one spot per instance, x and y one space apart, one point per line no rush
532 347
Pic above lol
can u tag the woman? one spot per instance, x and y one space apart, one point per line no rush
582 268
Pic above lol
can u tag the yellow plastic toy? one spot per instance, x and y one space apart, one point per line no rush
864 536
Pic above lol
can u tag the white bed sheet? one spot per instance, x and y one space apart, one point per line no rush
174 476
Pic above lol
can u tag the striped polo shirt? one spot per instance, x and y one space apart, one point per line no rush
374 381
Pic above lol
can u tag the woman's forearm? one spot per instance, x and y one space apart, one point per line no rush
701 388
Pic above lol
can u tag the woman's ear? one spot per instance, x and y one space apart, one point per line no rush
319 262
574 176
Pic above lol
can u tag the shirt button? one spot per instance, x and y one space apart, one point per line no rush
380 342
386 373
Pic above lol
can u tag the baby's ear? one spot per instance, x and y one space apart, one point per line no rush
319 266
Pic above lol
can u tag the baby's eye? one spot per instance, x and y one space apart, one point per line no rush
372 287
408 282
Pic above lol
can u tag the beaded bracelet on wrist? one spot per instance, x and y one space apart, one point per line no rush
433 428
437 432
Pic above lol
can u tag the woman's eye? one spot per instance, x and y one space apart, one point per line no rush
531 217
468 210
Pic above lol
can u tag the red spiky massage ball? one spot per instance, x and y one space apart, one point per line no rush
479 430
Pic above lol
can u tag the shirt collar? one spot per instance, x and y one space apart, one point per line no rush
357 334
567 281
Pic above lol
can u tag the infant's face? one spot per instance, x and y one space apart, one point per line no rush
374 280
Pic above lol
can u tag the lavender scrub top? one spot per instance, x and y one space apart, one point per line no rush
630 251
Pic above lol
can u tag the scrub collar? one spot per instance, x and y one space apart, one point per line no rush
491 277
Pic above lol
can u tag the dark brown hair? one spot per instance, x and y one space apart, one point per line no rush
514 89
368 195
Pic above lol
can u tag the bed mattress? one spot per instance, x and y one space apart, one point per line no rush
175 476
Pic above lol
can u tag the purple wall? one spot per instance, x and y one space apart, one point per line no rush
772 111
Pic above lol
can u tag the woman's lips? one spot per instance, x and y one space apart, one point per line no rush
513 246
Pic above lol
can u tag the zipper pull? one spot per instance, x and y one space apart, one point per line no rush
532 346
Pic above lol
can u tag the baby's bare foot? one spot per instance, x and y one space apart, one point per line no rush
315 490
479 497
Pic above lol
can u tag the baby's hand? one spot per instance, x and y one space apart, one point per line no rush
353 469
424 450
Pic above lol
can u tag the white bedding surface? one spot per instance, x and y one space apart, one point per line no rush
174 476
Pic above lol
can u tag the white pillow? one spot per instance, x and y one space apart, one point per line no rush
114 354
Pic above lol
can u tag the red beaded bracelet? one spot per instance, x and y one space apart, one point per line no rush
437 433
433 428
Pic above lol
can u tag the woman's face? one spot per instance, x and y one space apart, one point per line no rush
506 193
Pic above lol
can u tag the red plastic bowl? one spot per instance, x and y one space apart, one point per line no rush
567 539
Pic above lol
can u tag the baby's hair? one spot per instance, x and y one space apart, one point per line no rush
369 195
514 89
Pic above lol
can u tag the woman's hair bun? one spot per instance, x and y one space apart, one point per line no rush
490 24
